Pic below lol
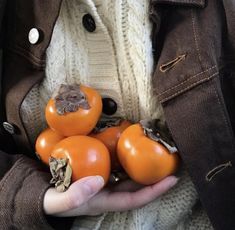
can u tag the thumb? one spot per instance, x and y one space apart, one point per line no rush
78 193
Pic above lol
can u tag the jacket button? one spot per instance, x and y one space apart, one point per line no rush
89 23
33 36
9 127
109 106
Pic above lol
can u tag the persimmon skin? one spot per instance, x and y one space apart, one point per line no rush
45 143
87 156
110 137
144 160
80 122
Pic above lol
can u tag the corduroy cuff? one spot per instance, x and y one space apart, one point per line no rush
21 198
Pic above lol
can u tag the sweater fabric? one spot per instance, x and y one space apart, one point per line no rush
116 59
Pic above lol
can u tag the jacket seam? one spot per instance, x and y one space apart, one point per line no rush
190 86
195 38
28 55
185 81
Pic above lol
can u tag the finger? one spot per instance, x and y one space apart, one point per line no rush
122 201
78 193
106 201
148 193
87 209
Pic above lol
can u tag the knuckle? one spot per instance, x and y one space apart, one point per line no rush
76 197
72 201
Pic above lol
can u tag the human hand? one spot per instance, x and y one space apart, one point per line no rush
85 197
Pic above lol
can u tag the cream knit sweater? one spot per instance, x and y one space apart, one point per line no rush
116 59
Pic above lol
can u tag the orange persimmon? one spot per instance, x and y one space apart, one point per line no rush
110 136
145 161
75 110
86 156
45 143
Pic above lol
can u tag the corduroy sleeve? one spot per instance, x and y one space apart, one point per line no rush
22 188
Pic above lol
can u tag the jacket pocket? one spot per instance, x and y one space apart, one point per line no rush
186 47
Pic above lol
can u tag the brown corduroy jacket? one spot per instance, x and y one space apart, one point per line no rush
194 53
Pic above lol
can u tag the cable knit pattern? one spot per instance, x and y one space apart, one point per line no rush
116 59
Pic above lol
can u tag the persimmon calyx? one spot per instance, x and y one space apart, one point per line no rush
156 131
61 173
105 123
69 98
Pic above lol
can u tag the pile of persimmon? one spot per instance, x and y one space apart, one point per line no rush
79 143
70 146
71 114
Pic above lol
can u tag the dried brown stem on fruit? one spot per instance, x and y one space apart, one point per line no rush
70 98
159 132
61 173
105 123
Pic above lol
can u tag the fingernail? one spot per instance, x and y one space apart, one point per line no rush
94 184
100 181
173 181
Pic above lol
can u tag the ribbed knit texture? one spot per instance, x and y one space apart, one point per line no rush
115 59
